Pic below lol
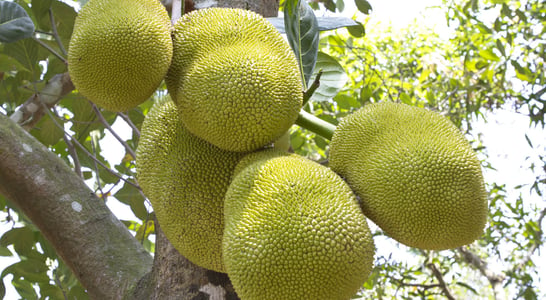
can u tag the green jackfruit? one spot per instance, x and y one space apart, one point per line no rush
416 174
234 78
293 230
185 179
120 51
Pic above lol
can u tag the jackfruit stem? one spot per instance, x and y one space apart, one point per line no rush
315 124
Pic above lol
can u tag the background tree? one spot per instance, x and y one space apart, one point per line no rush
56 183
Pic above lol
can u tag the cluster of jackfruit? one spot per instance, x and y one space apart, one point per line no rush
280 225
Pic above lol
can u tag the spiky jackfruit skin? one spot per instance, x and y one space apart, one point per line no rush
416 174
234 78
185 179
120 51
293 230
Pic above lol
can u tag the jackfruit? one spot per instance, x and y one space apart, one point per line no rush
417 176
293 230
185 179
120 51
234 78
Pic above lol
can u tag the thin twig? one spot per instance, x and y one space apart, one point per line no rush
75 141
55 33
97 170
58 282
130 123
74 154
50 49
441 281
107 126
314 86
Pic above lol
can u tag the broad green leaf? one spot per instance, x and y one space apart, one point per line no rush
4 251
2 289
144 231
357 30
77 293
32 270
15 24
303 35
489 55
22 239
523 73
27 53
9 64
333 77
363 6
132 197
49 132
25 289
50 291
340 5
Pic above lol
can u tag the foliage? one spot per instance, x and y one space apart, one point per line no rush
494 60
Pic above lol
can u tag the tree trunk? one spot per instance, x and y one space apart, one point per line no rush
99 249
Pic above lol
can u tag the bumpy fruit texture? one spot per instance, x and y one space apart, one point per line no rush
120 51
185 179
234 78
417 176
293 230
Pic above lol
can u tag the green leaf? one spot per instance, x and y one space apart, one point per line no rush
77 293
303 35
363 6
489 54
132 197
4 251
144 231
2 289
357 30
22 239
25 289
15 24
32 270
333 77
50 133
523 73
27 53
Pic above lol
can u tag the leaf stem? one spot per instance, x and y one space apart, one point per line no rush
55 33
316 125
50 49
311 90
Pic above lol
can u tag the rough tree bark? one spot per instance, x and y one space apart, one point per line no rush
106 258
99 249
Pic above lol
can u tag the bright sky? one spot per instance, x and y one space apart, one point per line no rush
503 136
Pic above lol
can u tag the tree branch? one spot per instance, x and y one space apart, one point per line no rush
494 279
441 281
103 254
33 109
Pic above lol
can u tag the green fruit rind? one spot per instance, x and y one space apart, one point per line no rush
417 176
294 230
234 78
185 179
120 51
